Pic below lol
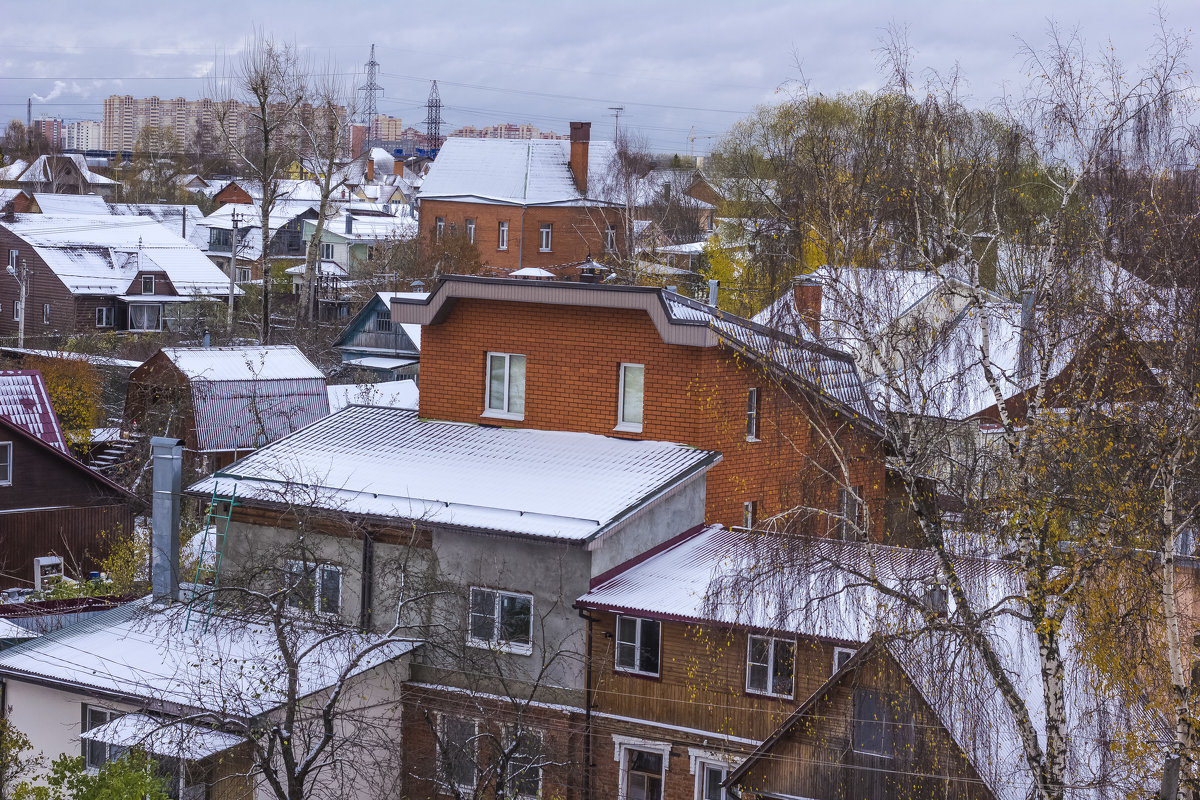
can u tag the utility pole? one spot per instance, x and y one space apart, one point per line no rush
22 279
617 121
232 271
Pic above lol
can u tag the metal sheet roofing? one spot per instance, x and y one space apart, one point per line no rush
262 363
162 737
387 462
397 394
25 401
58 204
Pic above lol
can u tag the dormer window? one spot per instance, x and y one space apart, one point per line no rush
147 284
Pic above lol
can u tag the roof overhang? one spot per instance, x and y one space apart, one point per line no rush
434 308
170 739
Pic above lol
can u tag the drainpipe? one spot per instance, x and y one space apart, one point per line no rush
520 244
587 709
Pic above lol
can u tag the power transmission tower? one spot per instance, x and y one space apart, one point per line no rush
433 118
370 108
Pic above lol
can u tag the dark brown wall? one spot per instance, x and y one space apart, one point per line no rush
73 533
44 287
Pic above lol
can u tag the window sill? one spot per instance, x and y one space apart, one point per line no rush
628 427
544 250
502 249
772 695
632 673
753 439
500 647
493 414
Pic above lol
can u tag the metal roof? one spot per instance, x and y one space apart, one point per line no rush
258 363
25 401
388 463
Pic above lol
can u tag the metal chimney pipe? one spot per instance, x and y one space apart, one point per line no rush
167 455
714 287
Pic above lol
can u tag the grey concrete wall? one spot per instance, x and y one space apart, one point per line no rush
670 515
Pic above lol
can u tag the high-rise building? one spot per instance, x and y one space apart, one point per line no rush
388 129
82 135
50 128
506 130
125 116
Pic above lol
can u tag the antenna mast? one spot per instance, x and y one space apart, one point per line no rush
616 122
370 108
433 118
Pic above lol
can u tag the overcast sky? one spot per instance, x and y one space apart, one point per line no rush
672 65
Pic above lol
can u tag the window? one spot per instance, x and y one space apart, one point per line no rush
45 313
610 238
147 284
383 320
501 619
456 752
525 764
219 239
440 225
752 415
506 385
471 231
145 317
104 317
315 586
327 251
709 778
770 664
16 309
502 240
12 258
638 645
749 513
840 656
633 381
6 465
877 729
243 275
547 232
97 754
643 775
851 519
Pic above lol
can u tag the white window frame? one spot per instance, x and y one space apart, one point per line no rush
243 275
132 306
6 463
104 316
16 310
299 568
700 761
770 665
610 238
622 425
471 230
439 224
505 412
622 745
327 251
45 313
545 237
752 415
847 496
496 643
502 236
111 752
637 647
147 280
443 780
838 652
13 255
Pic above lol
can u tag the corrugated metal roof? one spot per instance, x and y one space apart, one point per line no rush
261 363
25 401
242 415
387 462
57 204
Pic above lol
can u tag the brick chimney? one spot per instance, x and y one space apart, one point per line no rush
581 135
370 169
806 292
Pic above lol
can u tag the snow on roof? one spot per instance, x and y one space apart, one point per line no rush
161 737
516 171
260 363
25 401
387 462
689 249
102 254
288 190
170 215
396 394
40 172
229 667
325 267
88 204
11 630
531 272
281 214
381 362
13 170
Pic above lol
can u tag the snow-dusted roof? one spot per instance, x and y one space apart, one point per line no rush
229 667
282 213
515 171
387 462
40 172
25 401
103 254
273 362
88 204
13 170
323 268
367 227
170 215
161 737
397 394
289 190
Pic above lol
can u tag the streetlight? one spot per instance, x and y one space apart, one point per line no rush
23 280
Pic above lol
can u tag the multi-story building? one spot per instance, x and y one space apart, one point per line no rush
125 116
83 135
51 129
506 130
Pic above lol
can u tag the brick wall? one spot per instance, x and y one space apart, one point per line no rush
693 395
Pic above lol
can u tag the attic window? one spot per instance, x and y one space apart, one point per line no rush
147 284
6 464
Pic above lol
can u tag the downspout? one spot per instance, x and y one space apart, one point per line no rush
520 243
587 709
3 722
367 592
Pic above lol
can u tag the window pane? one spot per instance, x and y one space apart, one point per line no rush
303 585
713 777
516 384
496 382
641 761
627 630
648 655
760 650
458 737
869 724
483 615
626 656
631 400
516 619
331 590
781 675
757 680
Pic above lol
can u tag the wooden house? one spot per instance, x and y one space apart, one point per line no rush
372 342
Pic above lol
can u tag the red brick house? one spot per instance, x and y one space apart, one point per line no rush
798 434
525 203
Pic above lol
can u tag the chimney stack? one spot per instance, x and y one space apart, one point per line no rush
167 454
806 292
370 169
581 135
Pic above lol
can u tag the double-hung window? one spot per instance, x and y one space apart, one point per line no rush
16 309
45 313
6 463
502 237
632 397
638 645
547 233
471 231
457 747
506 386
752 415
97 754
851 519
315 586
502 620
770 666
104 317
709 777
243 274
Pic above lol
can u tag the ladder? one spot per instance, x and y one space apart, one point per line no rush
217 525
